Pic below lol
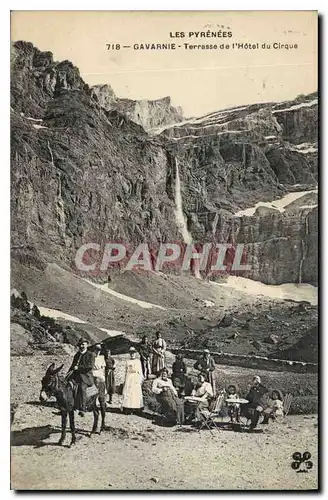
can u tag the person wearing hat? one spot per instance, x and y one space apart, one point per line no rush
81 372
132 391
206 365
256 401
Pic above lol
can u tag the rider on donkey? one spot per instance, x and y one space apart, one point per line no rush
81 372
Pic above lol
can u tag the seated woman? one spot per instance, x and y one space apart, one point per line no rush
204 392
256 402
170 405
233 408
275 409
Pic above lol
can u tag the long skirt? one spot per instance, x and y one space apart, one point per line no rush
171 407
132 392
110 382
158 363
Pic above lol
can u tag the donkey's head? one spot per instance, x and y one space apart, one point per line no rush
49 382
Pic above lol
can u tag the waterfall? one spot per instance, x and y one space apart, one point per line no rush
303 249
180 217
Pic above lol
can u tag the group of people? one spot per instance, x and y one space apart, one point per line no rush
258 402
97 368
152 355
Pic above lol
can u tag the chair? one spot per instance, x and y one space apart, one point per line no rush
208 415
287 401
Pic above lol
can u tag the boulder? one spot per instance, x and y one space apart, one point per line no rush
272 339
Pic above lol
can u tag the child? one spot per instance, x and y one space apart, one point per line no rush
276 408
233 408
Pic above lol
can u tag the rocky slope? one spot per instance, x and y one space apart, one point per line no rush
84 169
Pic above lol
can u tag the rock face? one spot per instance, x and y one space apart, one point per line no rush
228 157
84 169
79 173
148 114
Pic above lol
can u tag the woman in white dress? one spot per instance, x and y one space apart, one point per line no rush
132 392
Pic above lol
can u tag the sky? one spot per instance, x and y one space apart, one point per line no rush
199 81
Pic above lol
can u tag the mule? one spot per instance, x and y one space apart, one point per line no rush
64 392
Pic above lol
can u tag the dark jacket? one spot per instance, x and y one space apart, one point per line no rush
179 368
205 365
255 395
144 350
110 363
85 363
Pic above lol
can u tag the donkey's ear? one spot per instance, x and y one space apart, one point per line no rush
50 368
57 369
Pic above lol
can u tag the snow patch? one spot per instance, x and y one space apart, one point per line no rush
279 204
31 119
287 291
39 126
208 303
54 313
298 106
308 206
112 333
126 298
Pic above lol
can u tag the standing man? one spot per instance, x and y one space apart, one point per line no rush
110 376
81 372
206 366
145 351
159 348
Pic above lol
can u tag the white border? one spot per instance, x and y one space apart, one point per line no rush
5 7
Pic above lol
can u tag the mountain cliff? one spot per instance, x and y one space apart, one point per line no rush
88 166
148 114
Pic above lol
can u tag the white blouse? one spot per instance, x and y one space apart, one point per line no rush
204 390
159 383
99 367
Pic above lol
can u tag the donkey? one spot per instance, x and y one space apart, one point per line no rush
64 392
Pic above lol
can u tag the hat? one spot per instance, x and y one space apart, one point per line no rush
132 349
81 341
206 351
257 378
